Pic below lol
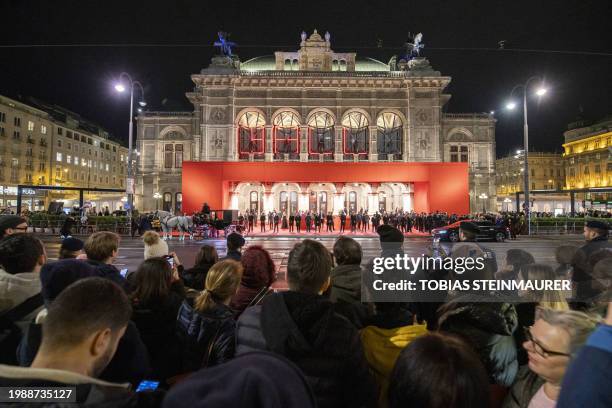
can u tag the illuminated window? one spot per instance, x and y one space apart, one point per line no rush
320 134
30 125
43 129
389 139
355 134
68 159
285 135
178 156
251 135
58 157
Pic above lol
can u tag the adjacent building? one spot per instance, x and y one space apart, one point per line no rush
307 106
44 144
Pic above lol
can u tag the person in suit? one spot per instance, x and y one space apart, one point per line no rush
330 222
342 220
298 221
291 220
353 222
276 221
251 218
308 220
318 220
271 220
262 222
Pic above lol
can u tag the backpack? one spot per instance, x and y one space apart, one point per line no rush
10 333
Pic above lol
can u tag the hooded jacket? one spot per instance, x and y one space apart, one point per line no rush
488 327
16 289
346 284
306 329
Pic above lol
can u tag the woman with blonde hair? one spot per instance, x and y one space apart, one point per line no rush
206 324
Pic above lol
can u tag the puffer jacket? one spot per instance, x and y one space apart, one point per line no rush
208 337
488 327
326 346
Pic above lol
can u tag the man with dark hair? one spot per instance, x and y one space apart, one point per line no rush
12 224
342 221
596 235
303 326
235 242
101 249
21 257
468 231
346 277
80 336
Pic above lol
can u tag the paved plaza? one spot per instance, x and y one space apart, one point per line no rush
131 250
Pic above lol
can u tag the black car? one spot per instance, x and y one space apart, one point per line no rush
487 231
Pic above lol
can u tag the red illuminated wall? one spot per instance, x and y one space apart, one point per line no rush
437 186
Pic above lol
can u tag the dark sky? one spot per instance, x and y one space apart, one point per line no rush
80 78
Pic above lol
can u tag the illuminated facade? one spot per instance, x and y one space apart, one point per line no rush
313 106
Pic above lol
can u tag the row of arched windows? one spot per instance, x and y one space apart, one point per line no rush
286 131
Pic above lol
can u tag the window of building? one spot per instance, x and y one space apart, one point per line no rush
76 160
167 204
323 202
382 202
178 202
107 167
60 131
458 153
68 159
293 202
390 136
168 156
59 142
532 172
320 134
285 135
43 129
17 121
251 135
533 186
2 132
283 201
2 117
586 170
254 201
178 156
352 201
355 134
16 134
597 168
58 156
30 125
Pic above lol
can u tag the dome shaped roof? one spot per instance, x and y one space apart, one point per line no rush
268 63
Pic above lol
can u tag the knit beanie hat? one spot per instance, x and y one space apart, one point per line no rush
154 246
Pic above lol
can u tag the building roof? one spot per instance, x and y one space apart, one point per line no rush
268 63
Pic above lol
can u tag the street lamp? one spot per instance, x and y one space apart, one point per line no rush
120 87
157 196
541 91
484 197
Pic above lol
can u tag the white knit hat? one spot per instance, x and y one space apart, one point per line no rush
154 246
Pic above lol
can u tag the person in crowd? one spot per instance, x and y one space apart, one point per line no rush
102 249
555 337
596 234
346 276
156 299
438 370
80 336
276 220
249 381
235 242
564 254
308 221
526 309
21 258
12 224
262 222
586 382
154 246
483 319
206 325
129 364
195 277
342 221
258 275
601 285
516 261
67 225
71 248
330 222
302 325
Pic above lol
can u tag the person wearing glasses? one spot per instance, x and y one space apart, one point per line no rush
12 224
553 340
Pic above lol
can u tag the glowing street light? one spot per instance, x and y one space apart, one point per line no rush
120 88
510 105
541 91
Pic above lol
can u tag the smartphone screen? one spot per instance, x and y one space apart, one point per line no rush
123 272
170 261
147 386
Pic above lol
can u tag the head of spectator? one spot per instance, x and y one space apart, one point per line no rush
154 246
12 224
551 342
518 259
259 268
347 251
222 281
22 253
596 230
83 327
235 241
206 257
467 231
309 267
552 299
71 248
250 380
151 282
102 247
390 237
564 254
470 250
57 276
455 377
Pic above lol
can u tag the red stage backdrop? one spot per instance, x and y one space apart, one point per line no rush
437 186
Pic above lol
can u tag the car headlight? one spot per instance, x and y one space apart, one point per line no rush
442 231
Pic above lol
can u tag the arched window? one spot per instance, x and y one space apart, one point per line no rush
167 204
389 139
352 201
251 135
283 202
320 135
323 202
178 202
168 156
254 201
382 202
286 135
355 135
293 202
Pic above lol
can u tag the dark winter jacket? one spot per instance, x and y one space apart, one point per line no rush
326 346
129 364
157 326
246 295
208 338
90 392
488 328
346 284
195 277
526 385
234 255
525 313
110 272
581 276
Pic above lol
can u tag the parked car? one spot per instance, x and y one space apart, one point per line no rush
487 231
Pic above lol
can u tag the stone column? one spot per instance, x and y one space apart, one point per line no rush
303 143
373 137
269 154
338 151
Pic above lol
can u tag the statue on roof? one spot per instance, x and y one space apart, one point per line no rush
413 47
304 36
225 46
327 36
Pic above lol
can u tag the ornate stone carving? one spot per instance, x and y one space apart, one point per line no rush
217 115
422 116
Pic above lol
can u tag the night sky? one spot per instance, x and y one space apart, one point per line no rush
457 35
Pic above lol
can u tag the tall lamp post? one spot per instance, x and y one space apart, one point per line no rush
483 197
121 87
510 106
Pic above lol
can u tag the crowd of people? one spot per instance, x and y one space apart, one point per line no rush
219 335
